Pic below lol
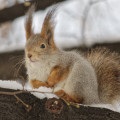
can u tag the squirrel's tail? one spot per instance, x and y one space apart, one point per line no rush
107 67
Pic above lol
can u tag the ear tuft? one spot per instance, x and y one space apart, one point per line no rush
49 23
28 22
47 31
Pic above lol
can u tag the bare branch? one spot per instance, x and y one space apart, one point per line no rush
20 92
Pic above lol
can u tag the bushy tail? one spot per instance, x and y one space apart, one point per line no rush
107 67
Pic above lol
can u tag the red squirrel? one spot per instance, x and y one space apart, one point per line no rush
87 79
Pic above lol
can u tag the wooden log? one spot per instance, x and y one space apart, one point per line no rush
10 109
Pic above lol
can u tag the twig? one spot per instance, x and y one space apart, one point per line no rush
12 93
77 105
26 105
20 92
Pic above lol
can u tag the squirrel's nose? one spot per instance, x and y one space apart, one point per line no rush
29 55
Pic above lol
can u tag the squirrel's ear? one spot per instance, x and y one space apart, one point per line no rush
47 31
28 22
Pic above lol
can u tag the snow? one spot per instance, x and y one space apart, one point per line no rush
115 107
41 92
15 39
10 85
102 25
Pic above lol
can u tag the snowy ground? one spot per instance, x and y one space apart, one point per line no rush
102 24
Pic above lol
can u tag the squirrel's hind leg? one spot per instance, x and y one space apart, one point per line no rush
69 98
64 94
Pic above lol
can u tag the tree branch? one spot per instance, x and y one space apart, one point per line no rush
12 111
18 10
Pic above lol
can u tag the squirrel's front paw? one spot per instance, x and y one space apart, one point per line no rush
37 84
50 83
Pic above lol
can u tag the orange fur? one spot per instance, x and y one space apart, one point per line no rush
37 84
68 98
57 74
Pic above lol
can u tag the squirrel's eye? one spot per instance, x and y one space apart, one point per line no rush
42 46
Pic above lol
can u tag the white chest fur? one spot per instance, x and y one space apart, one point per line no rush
39 70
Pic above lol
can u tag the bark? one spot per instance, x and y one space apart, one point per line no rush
12 110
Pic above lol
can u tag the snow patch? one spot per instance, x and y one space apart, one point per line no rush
41 92
102 25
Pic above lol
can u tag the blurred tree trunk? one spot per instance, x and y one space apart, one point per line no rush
18 10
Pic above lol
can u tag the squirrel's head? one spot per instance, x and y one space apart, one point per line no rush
40 45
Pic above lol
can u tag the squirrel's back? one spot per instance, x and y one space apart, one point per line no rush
107 67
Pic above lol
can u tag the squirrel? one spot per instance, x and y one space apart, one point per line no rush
81 78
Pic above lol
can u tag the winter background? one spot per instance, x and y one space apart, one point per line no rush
78 22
